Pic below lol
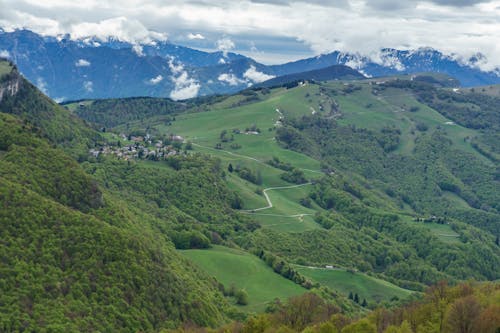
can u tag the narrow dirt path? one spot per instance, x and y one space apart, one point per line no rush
269 203
247 157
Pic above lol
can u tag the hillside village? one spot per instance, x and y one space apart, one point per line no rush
143 147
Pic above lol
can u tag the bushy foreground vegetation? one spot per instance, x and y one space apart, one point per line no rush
442 309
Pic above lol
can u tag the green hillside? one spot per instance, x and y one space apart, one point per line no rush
372 289
74 256
247 272
66 271
378 139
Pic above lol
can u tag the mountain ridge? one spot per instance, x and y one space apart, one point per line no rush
69 69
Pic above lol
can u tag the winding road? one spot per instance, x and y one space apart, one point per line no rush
270 204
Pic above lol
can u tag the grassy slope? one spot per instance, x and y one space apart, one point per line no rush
373 289
361 108
391 108
443 231
245 271
255 150
5 68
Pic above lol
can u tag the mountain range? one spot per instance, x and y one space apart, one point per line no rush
67 69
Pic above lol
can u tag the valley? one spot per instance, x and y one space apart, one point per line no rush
242 132
354 195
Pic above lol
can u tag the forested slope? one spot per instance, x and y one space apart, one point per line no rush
74 256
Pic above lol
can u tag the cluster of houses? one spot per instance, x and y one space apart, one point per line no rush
138 147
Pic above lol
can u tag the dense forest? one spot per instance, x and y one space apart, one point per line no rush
75 256
111 112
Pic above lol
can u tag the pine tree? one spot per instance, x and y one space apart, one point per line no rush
230 168
351 296
364 303
356 298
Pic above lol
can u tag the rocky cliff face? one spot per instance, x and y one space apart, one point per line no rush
10 84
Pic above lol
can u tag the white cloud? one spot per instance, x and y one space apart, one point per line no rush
195 36
82 63
254 75
4 54
185 87
388 59
175 68
355 61
230 79
250 76
137 49
88 86
225 45
123 28
42 85
156 80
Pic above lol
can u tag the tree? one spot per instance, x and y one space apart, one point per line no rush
356 298
462 315
222 136
302 311
404 328
351 296
230 168
241 297
326 328
258 178
257 324
306 202
489 321
177 145
364 303
362 326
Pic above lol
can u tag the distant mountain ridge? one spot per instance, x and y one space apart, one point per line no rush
335 72
391 62
67 69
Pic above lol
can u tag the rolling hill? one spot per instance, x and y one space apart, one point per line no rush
384 162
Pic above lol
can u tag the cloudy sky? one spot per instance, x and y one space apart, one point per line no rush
274 31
